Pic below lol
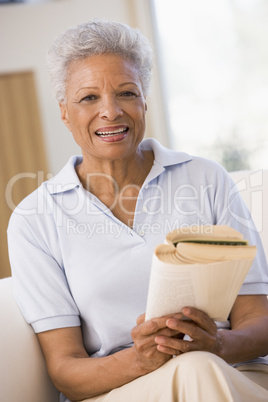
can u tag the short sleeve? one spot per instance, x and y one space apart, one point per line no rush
40 285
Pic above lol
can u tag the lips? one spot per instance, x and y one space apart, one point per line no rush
111 131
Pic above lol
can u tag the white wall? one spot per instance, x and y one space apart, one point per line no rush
26 33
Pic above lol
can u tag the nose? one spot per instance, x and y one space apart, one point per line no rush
110 108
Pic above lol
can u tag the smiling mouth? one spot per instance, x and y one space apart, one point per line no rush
112 133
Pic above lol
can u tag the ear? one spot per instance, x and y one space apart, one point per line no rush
64 115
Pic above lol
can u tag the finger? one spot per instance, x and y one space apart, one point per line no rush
157 324
192 330
200 339
149 327
145 328
140 319
168 332
172 346
168 351
200 318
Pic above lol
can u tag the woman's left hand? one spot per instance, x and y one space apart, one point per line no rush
201 329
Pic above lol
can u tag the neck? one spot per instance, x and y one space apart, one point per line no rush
113 175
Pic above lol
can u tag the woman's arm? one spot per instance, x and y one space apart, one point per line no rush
246 340
248 337
78 376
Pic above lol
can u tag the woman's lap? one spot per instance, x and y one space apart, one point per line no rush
195 376
258 373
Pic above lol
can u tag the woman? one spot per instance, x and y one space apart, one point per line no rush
81 245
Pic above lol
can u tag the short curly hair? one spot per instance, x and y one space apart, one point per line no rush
95 38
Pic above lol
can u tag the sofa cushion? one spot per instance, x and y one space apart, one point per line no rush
23 371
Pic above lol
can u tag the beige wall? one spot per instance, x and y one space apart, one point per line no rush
26 32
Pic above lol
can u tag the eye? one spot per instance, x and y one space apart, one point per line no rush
89 98
128 94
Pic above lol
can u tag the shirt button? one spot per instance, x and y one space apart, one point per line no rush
144 209
141 233
146 186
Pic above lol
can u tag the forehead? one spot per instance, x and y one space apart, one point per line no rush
98 67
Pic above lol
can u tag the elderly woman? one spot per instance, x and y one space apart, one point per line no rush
81 245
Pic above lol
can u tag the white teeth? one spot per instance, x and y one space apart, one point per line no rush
108 135
111 133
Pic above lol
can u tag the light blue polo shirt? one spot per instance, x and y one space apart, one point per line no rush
74 263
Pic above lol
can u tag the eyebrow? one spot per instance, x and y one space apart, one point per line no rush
120 85
80 89
127 83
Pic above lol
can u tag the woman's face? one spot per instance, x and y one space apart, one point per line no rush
105 107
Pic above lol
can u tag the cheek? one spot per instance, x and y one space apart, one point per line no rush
141 117
80 120
138 114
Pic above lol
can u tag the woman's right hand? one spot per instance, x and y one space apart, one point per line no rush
147 356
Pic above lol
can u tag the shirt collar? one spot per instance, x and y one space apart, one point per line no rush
67 178
164 156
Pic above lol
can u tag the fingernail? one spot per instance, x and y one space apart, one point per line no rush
171 323
187 311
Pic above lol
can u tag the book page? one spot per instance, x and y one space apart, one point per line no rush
209 287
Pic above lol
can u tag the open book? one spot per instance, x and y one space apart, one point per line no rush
198 266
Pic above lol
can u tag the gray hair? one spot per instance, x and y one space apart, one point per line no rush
95 38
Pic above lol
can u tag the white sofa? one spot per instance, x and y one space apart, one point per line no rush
23 372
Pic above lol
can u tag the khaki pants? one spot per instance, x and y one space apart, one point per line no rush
195 377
